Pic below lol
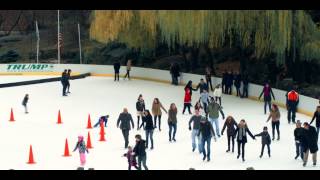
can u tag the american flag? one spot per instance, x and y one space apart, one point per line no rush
60 43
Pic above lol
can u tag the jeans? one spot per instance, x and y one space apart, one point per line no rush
265 106
174 127
306 154
155 121
149 133
245 91
125 133
262 149
208 141
143 160
194 134
98 123
215 122
127 74
231 138
275 125
205 105
238 91
186 105
242 149
64 87
299 150
209 82
292 114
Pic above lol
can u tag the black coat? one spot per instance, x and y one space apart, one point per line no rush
224 78
25 101
203 86
237 81
140 148
125 119
316 116
64 78
140 106
206 130
175 70
147 120
229 79
244 138
265 137
309 139
116 67
298 132
231 127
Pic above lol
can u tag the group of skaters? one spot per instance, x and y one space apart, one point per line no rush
117 66
65 77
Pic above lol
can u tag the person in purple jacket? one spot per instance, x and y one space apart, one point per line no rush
267 92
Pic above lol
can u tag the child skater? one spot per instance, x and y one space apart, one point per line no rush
81 145
265 140
131 158
24 103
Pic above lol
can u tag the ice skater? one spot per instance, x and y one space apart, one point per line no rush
231 126
237 83
204 99
298 133
147 123
187 101
131 158
195 119
68 80
102 119
81 146
124 120
265 140
157 113
172 122
64 82
309 143
202 86
275 123
217 93
292 101
140 151
116 67
208 77
316 116
140 106
25 102
241 133
213 110
129 64
267 92
206 132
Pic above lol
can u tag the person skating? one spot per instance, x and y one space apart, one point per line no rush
198 107
204 98
241 133
208 77
68 81
298 133
224 82
148 127
292 101
217 93
187 101
129 64
316 116
265 140
175 73
131 158
309 143
206 131
231 126
81 146
229 82
213 114
275 120
237 83
140 107
195 119
202 86
102 119
267 93
25 102
64 82
116 67
189 86
245 82
157 113
125 118
140 151
172 122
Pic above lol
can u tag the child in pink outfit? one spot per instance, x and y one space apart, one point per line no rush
82 150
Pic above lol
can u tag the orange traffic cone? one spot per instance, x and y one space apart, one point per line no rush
102 133
89 145
31 160
89 123
11 116
66 149
59 118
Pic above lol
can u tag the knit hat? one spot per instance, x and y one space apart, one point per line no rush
265 128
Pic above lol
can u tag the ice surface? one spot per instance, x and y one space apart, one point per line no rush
100 96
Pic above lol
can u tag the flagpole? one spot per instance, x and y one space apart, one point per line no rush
79 43
58 37
38 41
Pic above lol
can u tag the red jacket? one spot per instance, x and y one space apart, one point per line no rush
187 96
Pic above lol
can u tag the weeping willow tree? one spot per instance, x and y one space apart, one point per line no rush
268 31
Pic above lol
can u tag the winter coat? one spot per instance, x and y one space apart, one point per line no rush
64 78
237 81
316 116
274 116
140 106
187 96
125 119
309 139
196 121
25 101
175 70
147 120
231 127
202 86
140 148
244 136
267 92
156 111
224 78
206 130
131 158
204 96
116 67
213 110
298 133
129 66
229 79
82 147
217 92
172 116
190 88
265 137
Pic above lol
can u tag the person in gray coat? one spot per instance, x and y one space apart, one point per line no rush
125 118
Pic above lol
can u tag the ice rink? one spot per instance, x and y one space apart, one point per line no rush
100 96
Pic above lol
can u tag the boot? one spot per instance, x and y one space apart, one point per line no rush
278 138
272 138
260 156
238 156
204 157
228 150
296 156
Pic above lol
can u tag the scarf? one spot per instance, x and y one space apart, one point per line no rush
242 133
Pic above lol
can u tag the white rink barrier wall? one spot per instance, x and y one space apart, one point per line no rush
306 106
